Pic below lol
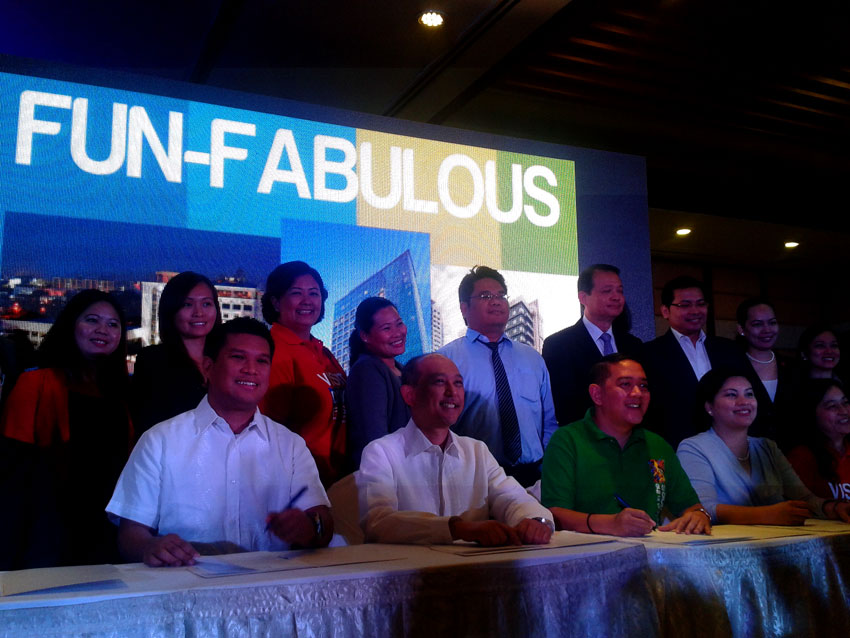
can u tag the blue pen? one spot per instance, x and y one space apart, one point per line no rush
289 505
622 503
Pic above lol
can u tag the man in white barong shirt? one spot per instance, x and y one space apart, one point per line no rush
425 484
221 476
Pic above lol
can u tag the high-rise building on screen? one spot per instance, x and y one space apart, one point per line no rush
436 327
397 282
524 324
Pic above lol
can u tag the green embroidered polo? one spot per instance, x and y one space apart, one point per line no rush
583 468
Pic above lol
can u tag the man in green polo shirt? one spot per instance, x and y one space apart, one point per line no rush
606 475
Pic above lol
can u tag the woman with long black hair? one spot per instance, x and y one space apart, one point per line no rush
67 435
167 379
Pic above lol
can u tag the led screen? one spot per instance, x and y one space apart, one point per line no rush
117 189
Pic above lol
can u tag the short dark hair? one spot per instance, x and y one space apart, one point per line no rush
364 319
708 387
668 292
601 370
171 301
281 279
585 278
239 326
59 347
464 291
743 311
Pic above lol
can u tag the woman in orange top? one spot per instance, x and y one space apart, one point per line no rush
67 436
307 386
822 458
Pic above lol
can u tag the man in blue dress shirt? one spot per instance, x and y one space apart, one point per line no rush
508 396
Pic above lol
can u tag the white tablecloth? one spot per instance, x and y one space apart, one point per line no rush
786 586
592 590
796 586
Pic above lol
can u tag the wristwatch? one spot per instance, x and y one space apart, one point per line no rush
703 510
317 523
546 522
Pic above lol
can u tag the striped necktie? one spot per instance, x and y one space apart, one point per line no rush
511 442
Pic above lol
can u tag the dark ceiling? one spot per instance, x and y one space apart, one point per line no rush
741 107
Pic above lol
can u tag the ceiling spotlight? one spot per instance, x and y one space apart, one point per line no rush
791 244
431 18
681 232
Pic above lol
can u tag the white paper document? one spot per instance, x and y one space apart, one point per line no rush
60 579
259 562
559 539
724 534
815 525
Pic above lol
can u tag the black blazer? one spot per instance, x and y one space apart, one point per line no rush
163 385
773 417
569 354
673 383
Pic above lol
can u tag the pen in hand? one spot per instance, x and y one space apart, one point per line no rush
289 505
622 503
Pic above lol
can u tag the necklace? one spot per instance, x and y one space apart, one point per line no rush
746 457
771 360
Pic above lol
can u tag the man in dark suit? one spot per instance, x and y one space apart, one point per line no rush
571 353
678 359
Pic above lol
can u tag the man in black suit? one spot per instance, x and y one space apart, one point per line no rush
570 353
677 360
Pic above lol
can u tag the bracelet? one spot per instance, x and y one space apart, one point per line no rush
587 522
703 510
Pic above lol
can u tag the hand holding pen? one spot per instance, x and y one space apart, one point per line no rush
631 521
291 525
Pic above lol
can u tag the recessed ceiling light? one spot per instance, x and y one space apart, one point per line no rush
791 244
683 231
431 18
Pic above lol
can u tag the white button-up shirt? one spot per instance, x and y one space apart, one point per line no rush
696 354
192 476
410 487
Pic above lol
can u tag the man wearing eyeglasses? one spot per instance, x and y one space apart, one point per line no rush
678 359
508 396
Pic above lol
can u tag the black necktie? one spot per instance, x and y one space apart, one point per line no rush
511 442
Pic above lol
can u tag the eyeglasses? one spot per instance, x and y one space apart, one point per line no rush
687 305
487 296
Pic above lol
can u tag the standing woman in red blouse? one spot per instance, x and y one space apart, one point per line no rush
67 435
307 386
822 456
